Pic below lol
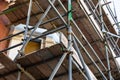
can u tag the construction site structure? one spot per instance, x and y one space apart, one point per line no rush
59 40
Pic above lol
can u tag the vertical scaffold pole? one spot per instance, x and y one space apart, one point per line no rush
70 38
27 24
108 62
101 18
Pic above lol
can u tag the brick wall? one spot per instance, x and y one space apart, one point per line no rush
4 4
3 33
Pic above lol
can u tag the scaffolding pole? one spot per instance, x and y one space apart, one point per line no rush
19 75
82 61
77 65
25 72
70 38
108 62
27 25
57 66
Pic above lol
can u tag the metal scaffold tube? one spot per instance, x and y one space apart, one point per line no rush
19 75
82 61
114 58
25 72
77 65
70 38
108 62
57 12
101 18
57 66
70 66
26 28
27 22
